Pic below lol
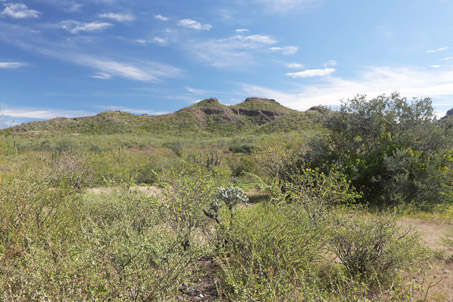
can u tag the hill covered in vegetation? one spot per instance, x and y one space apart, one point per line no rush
205 118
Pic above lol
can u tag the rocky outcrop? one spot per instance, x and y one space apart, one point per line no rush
256 99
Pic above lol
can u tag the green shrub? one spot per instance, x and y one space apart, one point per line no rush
241 148
182 203
268 253
388 146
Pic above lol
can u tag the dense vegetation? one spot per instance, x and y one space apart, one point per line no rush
297 207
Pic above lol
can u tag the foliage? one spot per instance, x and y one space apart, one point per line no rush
311 186
387 146
270 252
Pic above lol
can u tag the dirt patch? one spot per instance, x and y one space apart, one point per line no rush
440 270
146 190
431 232
256 195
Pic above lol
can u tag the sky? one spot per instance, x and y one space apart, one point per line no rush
81 57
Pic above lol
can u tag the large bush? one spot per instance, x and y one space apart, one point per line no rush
391 149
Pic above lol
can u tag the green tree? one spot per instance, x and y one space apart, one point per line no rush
390 148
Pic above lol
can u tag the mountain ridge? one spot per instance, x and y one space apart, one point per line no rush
206 117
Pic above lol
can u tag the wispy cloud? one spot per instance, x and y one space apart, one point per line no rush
241 30
161 18
286 50
410 82
143 73
295 65
19 11
160 41
229 52
448 59
330 63
11 65
192 24
118 17
102 76
156 40
309 73
124 67
437 50
38 113
256 38
76 27
196 91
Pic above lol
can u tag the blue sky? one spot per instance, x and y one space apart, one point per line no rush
81 57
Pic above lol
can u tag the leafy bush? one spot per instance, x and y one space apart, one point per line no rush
240 165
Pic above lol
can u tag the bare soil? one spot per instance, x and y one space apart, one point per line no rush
440 270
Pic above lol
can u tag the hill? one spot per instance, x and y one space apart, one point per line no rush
449 114
207 117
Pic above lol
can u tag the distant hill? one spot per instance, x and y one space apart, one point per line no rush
207 117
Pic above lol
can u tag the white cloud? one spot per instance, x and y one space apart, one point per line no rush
160 41
287 50
448 59
102 76
11 65
241 30
76 27
161 18
118 17
256 38
36 113
437 50
309 73
295 65
286 6
330 63
141 41
19 11
410 82
157 40
192 24
436 66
